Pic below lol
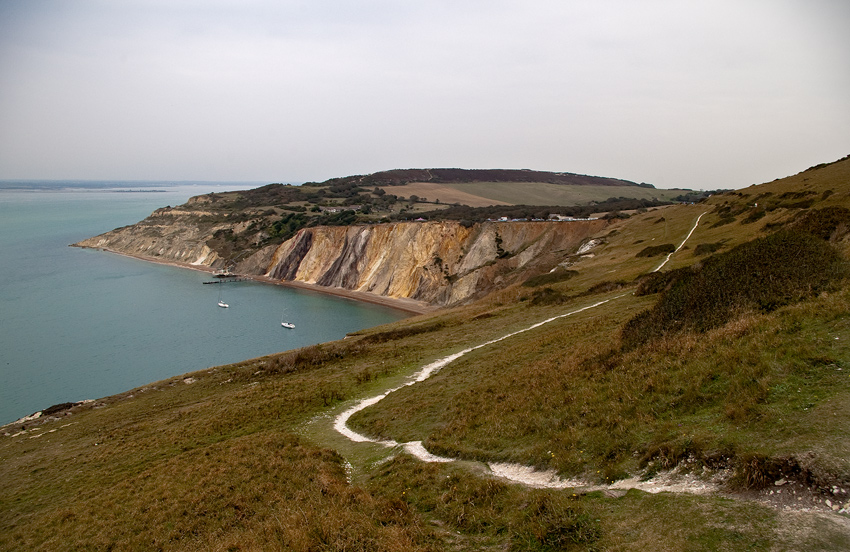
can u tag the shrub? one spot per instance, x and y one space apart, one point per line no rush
559 275
754 216
723 221
756 471
821 222
707 248
547 296
762 274
656 282
605 286
656 250
407 331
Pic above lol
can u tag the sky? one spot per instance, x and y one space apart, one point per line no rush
676 93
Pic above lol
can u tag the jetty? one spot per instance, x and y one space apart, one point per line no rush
227 280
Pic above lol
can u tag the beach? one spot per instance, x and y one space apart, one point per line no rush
411 306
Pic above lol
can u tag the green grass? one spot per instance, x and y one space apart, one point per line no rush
748 387
244 457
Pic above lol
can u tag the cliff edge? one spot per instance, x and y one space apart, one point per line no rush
439 263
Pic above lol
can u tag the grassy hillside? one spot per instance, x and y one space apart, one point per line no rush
244 457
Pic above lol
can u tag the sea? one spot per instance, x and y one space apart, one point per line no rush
80 324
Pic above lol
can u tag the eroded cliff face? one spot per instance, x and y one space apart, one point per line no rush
169 235
441 263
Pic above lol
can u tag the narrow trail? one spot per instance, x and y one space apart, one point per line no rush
696 223
517 473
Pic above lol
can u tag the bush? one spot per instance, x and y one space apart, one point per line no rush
406 331
754 216
606 286
656 282
762 274
822 222
656 250
547 296
707 248
559 275
724 220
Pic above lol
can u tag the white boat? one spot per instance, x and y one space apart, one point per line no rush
221 303
284 323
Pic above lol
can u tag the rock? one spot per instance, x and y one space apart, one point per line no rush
780 482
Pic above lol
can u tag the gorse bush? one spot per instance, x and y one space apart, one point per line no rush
407 331
310 357
656 250
559 275
707 248
656 282
547 296
606 286
823 223
762 275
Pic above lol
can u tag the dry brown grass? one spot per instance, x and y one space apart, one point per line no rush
217 464
713 395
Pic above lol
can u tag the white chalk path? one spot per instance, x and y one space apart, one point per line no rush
681 244
515 472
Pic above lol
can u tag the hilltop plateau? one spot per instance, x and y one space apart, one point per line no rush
672 378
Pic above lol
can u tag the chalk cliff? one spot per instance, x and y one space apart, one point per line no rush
441 263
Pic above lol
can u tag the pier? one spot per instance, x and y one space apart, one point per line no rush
227 280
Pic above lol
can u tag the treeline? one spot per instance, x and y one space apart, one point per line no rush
529 212
400 177
696 196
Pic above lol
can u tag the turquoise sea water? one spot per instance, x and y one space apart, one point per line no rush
78 324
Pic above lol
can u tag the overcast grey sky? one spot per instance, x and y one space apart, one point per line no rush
679 93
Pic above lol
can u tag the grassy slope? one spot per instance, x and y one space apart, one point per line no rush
228 462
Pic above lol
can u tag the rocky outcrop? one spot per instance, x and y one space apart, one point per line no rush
441 263
169 235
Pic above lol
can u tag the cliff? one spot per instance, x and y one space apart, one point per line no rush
441 263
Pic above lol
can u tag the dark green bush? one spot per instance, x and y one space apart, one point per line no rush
762 275
559 275
723 221
656 282
707 248
822 222
605 286
754 215
656 250
407 331
547 296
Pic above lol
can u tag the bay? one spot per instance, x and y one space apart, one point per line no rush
78 324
